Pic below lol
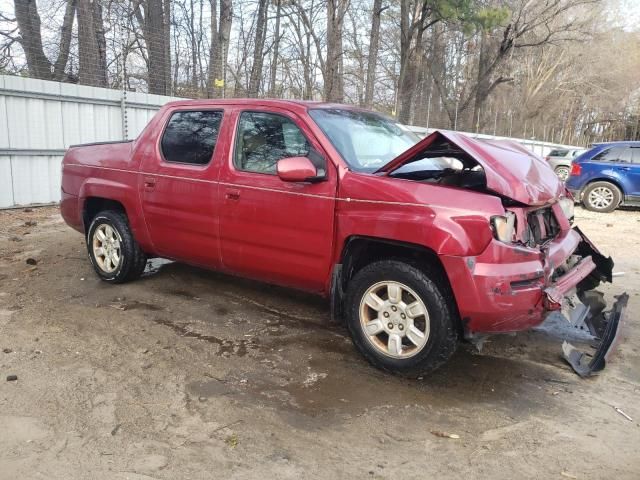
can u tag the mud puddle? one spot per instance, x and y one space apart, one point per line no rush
237 348
329 389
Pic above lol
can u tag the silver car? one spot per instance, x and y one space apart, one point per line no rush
560 160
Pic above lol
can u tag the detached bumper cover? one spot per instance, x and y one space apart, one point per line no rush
606 327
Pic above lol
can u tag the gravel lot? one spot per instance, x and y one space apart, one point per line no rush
192 374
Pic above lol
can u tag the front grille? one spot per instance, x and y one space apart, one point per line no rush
543 226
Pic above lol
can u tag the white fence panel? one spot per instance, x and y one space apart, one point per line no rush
6 185
39 119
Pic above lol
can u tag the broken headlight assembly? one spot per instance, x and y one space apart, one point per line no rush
504 227
567 206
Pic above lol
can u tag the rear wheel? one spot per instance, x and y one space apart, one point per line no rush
601 197
114 253
562 172
399 319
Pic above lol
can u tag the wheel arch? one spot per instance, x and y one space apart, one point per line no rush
93 205
610 180
96 194
359 251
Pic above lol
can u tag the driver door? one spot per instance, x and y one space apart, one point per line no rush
272 230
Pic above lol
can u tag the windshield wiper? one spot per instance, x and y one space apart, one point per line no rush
425 174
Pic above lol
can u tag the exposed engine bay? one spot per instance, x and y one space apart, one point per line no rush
443 163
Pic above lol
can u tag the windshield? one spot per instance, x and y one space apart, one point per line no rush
366 140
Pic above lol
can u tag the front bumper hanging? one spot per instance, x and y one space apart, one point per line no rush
585 308
605 328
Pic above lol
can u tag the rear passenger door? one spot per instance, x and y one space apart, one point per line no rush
178 187
273 230
634 174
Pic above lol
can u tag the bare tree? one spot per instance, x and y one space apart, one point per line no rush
220 34
275 51
374 41
28 20
334 65
258 48
92 52
154 17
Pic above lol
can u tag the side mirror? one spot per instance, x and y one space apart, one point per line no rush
296 169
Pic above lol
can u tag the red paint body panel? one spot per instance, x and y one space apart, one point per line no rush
293 233
275 230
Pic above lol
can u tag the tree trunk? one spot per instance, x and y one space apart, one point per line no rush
28 21
276 47
334 65
483 81
409 81
374 41
406 34
91 45
65 42
258 49
154 35
166 30
220 33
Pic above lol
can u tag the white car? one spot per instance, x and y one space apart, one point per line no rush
560 160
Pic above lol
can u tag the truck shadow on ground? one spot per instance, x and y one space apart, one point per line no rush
303 366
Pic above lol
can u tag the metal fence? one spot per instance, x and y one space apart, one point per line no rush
39 119
536 146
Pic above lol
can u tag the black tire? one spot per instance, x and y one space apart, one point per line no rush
614 192
431 289
132 258
562 172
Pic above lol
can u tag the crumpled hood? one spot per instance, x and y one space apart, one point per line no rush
510 169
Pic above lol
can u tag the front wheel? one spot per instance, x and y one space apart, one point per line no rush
399 319
601 197
114 252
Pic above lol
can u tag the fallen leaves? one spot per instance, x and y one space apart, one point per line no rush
445 434
232 440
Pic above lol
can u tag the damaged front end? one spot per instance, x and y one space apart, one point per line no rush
537 264
571 291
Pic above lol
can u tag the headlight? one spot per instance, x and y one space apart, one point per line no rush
504 227
566 204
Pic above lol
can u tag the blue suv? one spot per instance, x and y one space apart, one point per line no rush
606 176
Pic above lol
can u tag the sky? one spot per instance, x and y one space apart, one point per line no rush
627 12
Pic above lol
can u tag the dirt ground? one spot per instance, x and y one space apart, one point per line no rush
188 374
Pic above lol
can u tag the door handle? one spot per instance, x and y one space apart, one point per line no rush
149 183
625 168
232 194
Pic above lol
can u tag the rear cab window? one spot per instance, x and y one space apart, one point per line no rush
190 136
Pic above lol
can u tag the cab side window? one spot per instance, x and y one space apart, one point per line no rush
190 136
264 138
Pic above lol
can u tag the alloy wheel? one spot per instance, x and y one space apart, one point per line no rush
394 319
106 247
600 198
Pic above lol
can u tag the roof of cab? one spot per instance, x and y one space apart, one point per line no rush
261 102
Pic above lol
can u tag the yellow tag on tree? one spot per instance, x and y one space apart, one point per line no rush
218 83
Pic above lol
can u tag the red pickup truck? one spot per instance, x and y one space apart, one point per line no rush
418 244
